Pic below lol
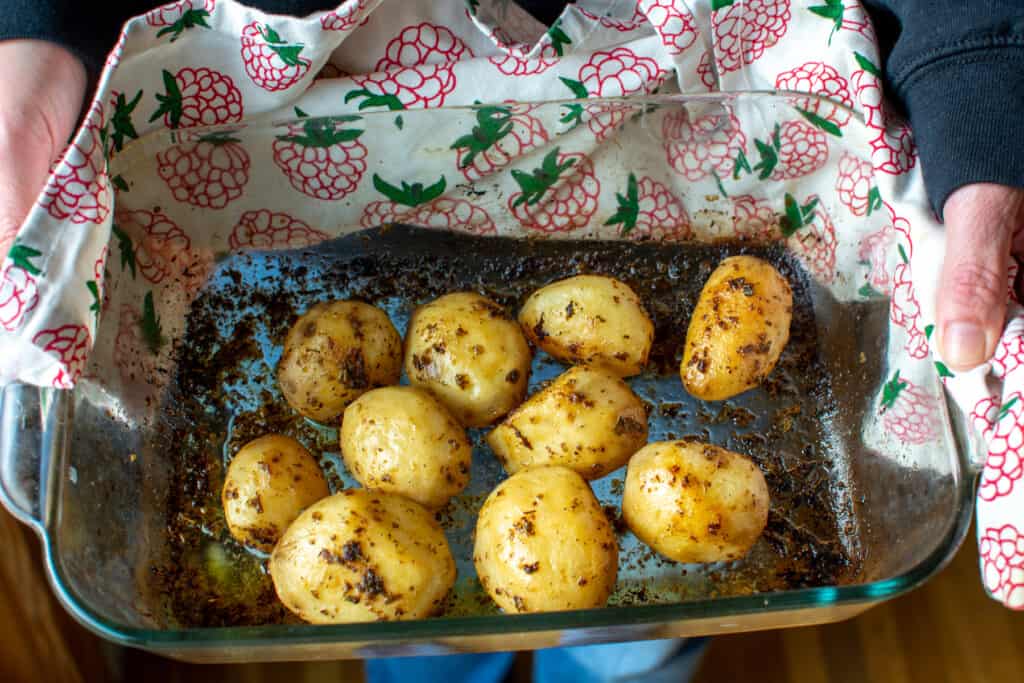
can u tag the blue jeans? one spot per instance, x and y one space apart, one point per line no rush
653 661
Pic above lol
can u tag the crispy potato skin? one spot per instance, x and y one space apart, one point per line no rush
269 482
695 502
590 319
333 354
543 543
464 350
402 440
360 556
738 330
588 420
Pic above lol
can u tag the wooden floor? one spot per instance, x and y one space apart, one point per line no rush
946 632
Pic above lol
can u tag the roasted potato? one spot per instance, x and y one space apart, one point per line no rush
402 440
590 319
464 350
738 330
587 420
335 352
363 555
269 482
543 543
694 502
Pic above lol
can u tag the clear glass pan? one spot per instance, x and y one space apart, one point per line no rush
102 516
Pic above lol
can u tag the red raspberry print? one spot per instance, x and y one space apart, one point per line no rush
696 148
706 72
18 297
70 344
559 196
1009 356
79 189
265 229
515 62
754 219
743 30
814 240
424 206
795 149
1002 564
619 72
616 24
906 313
452 214
404 87
908 411
901 225
1005 435
893 151
176 17
825 81
984 413
209 171
162 249
18 290
611 73
874 251
270 60
855 19
321 158
501 135
198 97
673 22
423 44
347 18
855 185
649 210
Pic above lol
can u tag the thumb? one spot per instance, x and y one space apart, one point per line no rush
971 305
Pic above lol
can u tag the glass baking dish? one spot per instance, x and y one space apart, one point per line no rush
93 470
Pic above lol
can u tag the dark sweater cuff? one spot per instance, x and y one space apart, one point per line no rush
967 111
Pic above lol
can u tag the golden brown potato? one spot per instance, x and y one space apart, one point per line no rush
544 544
402 440
363 556
738 330
590 319
269 482
587 420
693 502
464 350
333 353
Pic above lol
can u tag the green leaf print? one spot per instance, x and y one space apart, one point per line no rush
892 390
22 257
822 123
409 195
558 38
867 64
150 325
125 248
190 19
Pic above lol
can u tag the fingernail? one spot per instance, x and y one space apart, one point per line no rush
963 344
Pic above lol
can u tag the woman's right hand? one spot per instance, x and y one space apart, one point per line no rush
44 86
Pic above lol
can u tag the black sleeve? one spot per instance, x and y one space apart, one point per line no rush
956 67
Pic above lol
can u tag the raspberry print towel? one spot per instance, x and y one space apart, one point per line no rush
120 241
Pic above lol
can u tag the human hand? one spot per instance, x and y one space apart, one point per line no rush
984 227
44 85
